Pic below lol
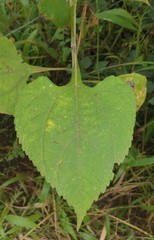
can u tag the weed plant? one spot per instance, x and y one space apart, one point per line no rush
126 209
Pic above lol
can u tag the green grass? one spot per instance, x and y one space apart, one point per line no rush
29 208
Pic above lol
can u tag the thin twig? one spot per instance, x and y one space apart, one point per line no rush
131 225
103 234
84 11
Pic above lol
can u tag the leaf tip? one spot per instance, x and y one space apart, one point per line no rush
79 221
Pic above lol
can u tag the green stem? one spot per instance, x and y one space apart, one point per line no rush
98 41
73 37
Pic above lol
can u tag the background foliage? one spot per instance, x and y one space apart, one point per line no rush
126 209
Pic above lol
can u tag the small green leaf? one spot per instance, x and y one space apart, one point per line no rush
56 10
142 162
20 221
65 224
86 236
11 181
44 192
74 134
142 1
119 16
148 208
151 101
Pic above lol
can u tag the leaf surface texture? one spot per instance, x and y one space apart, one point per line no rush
74 134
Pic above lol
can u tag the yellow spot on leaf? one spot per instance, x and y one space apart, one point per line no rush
64 101
50 125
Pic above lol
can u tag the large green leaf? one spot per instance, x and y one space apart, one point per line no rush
74 134
13 75
56 10
119 16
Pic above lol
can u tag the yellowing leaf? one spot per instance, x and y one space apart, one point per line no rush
138 84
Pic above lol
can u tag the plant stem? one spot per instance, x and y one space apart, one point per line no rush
98 42
84 11
73 37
